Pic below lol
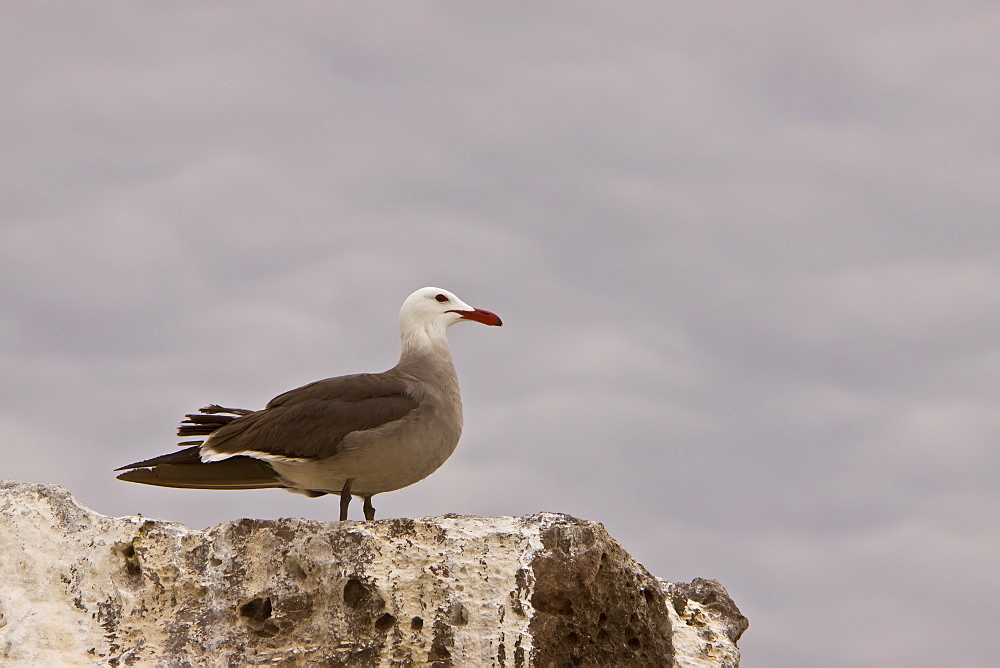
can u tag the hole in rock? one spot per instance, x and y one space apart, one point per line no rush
257 610
384 623
354 592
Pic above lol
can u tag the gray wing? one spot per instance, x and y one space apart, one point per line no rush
312 421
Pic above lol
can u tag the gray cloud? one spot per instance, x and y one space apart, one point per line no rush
746 258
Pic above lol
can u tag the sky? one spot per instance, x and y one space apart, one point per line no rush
747 257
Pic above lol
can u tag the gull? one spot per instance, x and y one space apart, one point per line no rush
357 435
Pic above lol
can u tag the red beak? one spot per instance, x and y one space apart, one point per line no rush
479 315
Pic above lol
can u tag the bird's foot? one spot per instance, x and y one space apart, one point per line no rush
345 499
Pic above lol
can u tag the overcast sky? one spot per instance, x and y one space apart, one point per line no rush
747 256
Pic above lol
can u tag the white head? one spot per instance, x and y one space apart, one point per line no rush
428 312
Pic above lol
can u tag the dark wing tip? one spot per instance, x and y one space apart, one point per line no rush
144 476
187 456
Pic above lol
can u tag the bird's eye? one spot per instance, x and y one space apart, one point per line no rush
442 298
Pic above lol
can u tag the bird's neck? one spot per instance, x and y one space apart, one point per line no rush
424 346
426 356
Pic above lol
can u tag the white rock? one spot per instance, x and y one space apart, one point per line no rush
81 589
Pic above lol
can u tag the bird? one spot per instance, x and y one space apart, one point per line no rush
355 436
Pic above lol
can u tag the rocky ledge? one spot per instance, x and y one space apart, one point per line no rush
79 588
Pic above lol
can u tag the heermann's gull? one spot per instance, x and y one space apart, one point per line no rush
357 435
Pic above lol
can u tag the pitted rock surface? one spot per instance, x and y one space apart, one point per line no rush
82 589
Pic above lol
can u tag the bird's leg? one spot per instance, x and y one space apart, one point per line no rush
345 499
369 509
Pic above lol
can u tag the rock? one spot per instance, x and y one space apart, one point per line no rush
706 624
79 588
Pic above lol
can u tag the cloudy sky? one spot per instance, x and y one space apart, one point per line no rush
747 258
